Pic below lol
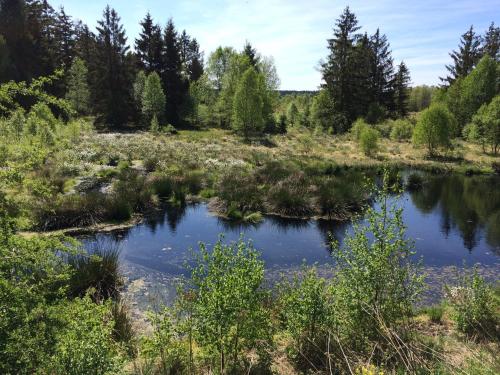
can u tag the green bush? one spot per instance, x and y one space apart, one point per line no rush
305 311
357 128
434 128
368 141
475 306
228 304
85 345
402 130
377 283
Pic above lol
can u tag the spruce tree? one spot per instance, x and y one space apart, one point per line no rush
149 46
338 72
112 79
252 55
382 71
464 60
491 42
64 37
401 90
173 83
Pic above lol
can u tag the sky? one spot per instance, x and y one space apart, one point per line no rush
421 32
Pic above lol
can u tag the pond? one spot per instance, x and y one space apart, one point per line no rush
454 220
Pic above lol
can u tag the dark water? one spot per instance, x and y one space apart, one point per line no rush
454 220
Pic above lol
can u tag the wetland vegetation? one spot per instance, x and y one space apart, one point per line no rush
94 135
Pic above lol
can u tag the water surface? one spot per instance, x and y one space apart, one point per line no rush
454 220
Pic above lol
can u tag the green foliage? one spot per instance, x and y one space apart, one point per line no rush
138 88
485 125
229 302
153 98
292 114
12 93
368 140
155 126
322 111
78 93
305 305
248 105
357 128
85 345
376 282
96 270
474 304
402 130
466 95
41 331
435 313
420 97
434 128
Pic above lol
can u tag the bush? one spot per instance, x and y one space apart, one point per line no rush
357 128
239 190
475 306
376 284
434 128
228 304
368 141
402 130
305 309
85 345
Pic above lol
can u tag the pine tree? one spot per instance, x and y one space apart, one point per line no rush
338 71
247 105
112 79
362 70
401 90
174 85
149 46
464 60
78 89
491 42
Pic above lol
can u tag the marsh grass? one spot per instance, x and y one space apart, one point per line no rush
97 270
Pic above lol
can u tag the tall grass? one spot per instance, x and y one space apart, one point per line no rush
97 271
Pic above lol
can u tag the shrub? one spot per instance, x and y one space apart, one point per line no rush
402 130
155 126
434 128
368 141
305 310
357 129
474 304
376 284
85 345
229 314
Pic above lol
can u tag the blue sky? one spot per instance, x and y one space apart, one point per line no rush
294 32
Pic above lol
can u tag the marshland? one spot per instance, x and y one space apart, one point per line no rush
171 209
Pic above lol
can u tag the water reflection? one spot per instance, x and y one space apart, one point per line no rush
467 204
